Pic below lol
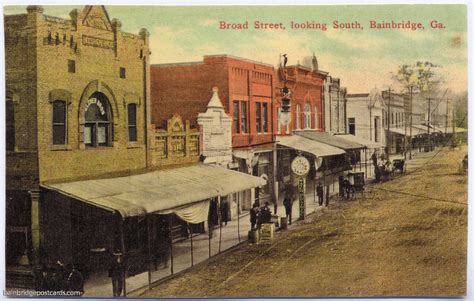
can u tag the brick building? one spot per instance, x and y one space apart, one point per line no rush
246 89
76 108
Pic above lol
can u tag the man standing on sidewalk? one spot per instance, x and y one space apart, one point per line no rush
288 203
320 193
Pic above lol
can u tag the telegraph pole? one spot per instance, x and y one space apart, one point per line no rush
429 121
411 117
389 121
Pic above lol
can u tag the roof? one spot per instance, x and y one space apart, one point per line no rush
357 95
330 139
415 131
159 190
315 148
363 141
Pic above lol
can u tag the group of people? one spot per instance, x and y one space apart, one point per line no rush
61 277
260 215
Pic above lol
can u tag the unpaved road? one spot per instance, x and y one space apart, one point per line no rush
394 244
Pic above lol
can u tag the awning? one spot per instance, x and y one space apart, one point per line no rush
415 131
330 139
158 191
315 148
366 142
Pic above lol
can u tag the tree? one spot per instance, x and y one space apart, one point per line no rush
422 77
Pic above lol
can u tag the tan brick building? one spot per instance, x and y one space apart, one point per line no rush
77 108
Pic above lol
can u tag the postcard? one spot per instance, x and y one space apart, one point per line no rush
241 151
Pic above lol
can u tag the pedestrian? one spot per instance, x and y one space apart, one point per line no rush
327 195
374 159
320 193
75 281
116 272
254 212
288 203
266 213
224 211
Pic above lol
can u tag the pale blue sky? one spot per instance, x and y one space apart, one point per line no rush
362 59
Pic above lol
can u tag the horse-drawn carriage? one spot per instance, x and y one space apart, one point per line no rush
353 183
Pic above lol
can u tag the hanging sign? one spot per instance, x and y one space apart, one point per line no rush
300 166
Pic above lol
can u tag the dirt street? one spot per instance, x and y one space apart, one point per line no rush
409 239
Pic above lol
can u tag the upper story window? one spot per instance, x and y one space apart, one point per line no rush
98 126
316 117
132 122
59 122
307 116
278 126
236 117
265 117
298 117
122 72
243 117
258 116
71 66
10 125
352 126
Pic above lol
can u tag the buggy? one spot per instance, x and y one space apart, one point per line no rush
353 183
399 165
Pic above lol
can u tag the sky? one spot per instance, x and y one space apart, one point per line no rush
362 59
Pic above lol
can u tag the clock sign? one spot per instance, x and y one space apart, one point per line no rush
300 166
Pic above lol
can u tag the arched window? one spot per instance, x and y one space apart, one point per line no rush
59 122
307 116
316 117
298 116
98 126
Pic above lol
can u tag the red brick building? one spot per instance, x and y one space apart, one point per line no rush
307 108
246 89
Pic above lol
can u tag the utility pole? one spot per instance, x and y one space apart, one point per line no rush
389 121
447 115
405 140
429 121
454 130
411 117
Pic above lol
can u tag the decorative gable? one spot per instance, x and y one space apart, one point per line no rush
96 16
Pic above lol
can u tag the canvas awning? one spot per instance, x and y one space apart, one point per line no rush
315 148
330 139
415 131
359 140
163 191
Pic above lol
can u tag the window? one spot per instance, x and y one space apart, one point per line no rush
391 119
71 66
122 72
258 116
376 129
97 128
132 122
59 122
265 117
316 117
278 120
298 116
10 124
307 116
352 128
236 118
244 117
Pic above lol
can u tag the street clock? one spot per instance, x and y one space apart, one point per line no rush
300 166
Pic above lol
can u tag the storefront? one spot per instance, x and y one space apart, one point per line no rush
142 216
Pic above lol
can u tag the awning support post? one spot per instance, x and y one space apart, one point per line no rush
365 154
171 242
210 235
122 242
238 215
150 241
220 221
192 251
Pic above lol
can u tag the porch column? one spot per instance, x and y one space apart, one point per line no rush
35 225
